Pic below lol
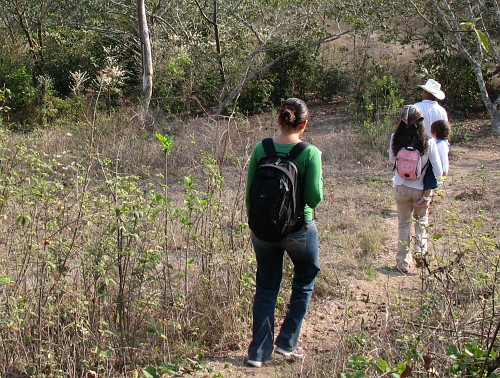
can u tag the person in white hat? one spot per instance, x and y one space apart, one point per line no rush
432 112
429 105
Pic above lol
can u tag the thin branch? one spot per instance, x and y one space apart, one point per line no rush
203 13
231 12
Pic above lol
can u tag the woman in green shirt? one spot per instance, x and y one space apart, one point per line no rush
301 246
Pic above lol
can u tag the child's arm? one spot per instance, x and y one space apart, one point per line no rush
444 150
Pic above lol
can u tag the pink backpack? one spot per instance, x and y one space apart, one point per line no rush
409 163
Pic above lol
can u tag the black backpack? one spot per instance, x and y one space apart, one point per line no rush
276 203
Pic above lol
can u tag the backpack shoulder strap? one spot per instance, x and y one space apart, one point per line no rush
297 150
268 145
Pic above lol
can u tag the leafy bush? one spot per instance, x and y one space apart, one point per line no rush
256 97
333 81
20 82
471 360
297 74
378 108
4 96
459 134
67 51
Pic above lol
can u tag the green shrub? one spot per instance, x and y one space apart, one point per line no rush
377 109
333 81
22 90
459 134
256 97
297 74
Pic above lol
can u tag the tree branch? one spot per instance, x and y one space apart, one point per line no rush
246 77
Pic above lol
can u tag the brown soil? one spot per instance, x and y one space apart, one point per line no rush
356 299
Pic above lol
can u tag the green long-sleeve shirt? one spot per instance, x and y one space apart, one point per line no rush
310 171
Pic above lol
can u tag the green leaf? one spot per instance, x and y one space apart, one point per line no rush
383 365
165 368
483 39
5 280
150 372
160 137
437 236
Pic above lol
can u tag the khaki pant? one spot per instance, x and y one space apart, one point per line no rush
405 196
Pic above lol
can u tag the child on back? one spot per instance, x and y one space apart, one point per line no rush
440 131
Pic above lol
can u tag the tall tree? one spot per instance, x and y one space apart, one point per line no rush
147 59
30 19
264 25
468 26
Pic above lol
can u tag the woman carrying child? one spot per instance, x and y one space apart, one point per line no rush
411 132
440 131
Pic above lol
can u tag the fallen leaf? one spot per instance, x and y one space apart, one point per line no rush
407 372
427 361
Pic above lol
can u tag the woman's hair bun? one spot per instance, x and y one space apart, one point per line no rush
293 112
288 116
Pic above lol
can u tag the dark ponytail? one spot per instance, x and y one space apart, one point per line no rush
410 136
410 131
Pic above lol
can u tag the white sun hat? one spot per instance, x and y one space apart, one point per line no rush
434 88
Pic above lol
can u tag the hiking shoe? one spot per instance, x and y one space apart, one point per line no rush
400 269
421 202
254 363
296 353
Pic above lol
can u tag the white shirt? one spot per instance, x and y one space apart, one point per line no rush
432 111
444 148
431 153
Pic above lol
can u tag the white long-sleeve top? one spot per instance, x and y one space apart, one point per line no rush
432 111
431 154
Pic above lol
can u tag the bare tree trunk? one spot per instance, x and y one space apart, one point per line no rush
495 120
147 60
473 52
217 42
492 107
215 23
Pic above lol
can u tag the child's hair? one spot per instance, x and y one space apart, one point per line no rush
441 129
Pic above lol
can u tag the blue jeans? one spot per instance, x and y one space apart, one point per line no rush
302 248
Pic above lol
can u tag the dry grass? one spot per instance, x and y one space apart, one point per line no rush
98 272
